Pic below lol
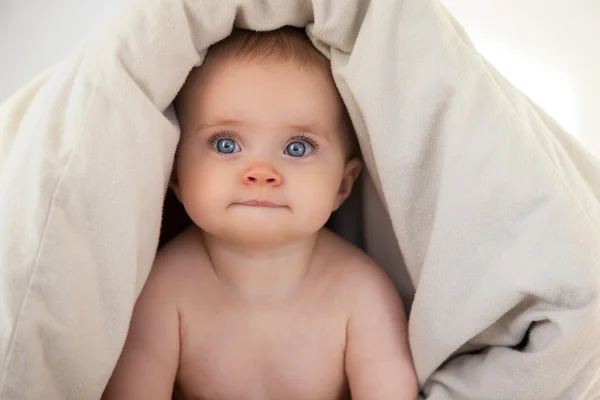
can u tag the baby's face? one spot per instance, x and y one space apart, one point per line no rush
262 156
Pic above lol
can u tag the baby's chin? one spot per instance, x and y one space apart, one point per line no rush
263 226
265 233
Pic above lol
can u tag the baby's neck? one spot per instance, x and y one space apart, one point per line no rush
272 272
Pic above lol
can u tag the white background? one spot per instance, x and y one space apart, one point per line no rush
548 48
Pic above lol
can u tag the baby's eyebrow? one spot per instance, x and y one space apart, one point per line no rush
219 122
314 128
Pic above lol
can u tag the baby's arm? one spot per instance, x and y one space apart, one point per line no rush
378 359
148 364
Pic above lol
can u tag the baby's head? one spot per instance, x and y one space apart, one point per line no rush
267 150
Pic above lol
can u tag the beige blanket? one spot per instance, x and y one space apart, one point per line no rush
478 200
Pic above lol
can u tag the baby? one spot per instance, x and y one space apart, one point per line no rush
258 300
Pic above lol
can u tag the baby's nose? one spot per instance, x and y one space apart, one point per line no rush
262 175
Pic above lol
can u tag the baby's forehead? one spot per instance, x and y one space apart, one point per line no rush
304 88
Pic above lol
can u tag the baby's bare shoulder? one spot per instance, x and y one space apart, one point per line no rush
355 269
181 259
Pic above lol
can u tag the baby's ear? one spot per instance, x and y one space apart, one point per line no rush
174 182
351 171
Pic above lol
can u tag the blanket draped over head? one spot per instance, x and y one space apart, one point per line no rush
483 211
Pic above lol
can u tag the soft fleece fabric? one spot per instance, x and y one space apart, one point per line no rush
478 201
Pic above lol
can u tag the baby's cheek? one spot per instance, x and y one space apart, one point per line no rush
322 200
212 190
204 204
314 217
196 186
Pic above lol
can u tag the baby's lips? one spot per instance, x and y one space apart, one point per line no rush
260 203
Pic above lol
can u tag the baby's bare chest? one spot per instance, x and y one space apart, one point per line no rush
238 352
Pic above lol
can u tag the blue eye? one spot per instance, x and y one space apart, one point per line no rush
298 149
226 146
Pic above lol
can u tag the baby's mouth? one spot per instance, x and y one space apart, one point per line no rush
260 203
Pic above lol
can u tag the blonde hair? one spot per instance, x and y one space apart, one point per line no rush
284 44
